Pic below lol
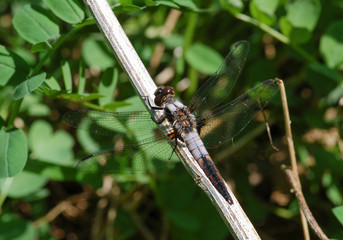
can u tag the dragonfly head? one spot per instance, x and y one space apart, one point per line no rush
162 94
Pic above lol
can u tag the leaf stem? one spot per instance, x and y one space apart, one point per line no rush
82 80
282 38
189 36
14 112
59 42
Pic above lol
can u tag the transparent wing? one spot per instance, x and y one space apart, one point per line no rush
148 150
138 124
219 85
229 120
148 156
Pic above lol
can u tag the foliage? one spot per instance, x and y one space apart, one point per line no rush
53 58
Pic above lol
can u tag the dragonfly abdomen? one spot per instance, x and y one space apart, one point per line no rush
199 152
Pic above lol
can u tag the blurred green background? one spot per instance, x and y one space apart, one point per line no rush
53 58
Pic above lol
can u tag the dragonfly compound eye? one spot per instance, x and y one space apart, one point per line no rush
162 93
169 91
158 91
159 96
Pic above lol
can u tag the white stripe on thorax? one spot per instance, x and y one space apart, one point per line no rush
175 106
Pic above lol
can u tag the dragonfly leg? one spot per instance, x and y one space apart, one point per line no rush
159 120
146 100
174 146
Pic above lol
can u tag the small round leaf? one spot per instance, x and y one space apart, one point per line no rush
13 152
69 11
331 44
35 24
12 67
203 58
97 54
20 188
28 86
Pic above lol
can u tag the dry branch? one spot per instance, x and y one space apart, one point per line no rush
291 150
303 205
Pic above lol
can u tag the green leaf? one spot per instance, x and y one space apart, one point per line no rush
331 45
167 3
69 11
35 24
12 67
126 8
233 6
81 97
20 188
338 212
113 106
54 172
184 220
327 73
301 18
67 78
28 86
304 13
318 76
150 3
259 71
329 161
38 110
46 45
97 54
13 227
203 58
34 106
87 141
263 10
82 79
13 152
296 35
173 41
53 147
41 47
135 105
333 192
186 3
107 86
169 190
334 96
52 83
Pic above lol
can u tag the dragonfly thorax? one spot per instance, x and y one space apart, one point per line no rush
179 115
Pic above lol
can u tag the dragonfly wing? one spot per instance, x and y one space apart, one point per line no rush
150 155
111 123
219 85
227 121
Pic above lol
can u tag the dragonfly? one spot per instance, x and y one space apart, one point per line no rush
208 121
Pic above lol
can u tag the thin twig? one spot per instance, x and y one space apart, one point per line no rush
59 208
113 196
233 215
168 27
282 38
291 149
268 131
267 125
101 223
303 205
241 142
